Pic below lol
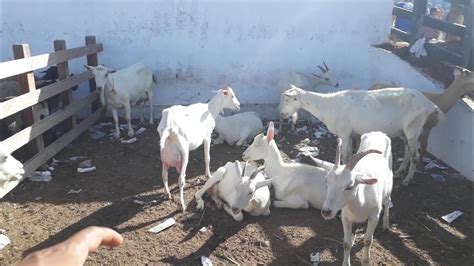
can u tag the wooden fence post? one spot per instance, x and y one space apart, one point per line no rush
27 84
92 60
467 52
66 97
419 11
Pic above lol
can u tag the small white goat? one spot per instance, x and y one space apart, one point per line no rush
10 168
236 129
361 188
394 111
239 192
185 128
306 82
296 185
125 88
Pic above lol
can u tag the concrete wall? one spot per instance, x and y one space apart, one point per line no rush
452 140
198 46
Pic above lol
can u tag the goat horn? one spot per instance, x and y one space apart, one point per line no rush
245 167
326 66
337 161
356 158
318 76
322 69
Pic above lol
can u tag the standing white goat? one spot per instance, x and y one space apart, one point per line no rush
394 111
236 129
306 82
238 191
296 185
361 188
10 168
185 128
125 88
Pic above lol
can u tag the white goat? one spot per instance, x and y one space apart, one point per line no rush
236 129
184 128
238 191
361 188
296 185
394 111
10 168
125 88
306 82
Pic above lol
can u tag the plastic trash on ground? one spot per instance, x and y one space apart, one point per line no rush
75 158
41 176
140 131
72 191
205 261
439 177
433 164
162 226
302 129
85 170
308 150
314 258
4 240
450 217
128 141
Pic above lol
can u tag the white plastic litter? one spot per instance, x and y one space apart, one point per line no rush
85 170
439 177
72 191
107 124
74 158
308 150
86 164
140 202
140 131
433 164
203 229
301 129
305 141
128 141
41 176
55 162
162 226
314 258
450 217
205 261
419 48
4 240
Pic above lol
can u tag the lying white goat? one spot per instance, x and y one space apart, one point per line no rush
394 111
306 82
239 192
185 128
296 185
125 88
10 168
236 129
361 188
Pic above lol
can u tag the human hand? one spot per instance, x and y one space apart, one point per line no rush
74 250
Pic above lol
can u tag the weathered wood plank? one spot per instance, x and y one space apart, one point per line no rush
92 60
35 162
63 73
444 25
400 34
26 135
402 12
21 102
15 67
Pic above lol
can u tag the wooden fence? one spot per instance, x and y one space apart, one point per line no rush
27 103
460 54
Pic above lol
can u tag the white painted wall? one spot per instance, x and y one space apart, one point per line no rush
198 46
452 140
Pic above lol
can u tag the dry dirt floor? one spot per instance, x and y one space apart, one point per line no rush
38 214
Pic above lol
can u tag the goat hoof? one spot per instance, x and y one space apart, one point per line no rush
405 182
200 206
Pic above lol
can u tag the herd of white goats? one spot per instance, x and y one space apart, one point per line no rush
360 185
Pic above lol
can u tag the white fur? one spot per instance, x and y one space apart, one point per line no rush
307 82
185 128
296 185
394 111
233 185
125 88
361 192
10 168
236 129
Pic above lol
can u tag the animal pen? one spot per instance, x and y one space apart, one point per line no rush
195 48
23 67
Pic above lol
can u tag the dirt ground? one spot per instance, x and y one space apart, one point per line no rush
38 214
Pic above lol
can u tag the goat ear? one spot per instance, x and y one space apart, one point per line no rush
318 76
225 90
270 131
361 179
264 183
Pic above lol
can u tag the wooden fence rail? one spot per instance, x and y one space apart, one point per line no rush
28 102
